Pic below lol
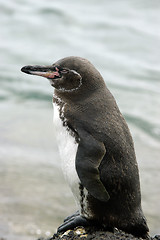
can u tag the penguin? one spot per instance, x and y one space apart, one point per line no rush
96 147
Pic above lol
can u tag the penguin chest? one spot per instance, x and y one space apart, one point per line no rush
68 150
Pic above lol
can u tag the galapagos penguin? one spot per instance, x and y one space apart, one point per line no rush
96 148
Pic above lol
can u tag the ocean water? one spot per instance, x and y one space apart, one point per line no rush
122 39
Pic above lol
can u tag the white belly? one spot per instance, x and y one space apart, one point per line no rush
68 149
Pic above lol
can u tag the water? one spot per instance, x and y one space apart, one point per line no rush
122 39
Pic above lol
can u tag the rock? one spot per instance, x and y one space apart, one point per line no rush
81 233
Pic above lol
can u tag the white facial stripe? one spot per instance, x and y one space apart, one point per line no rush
76 73
73 89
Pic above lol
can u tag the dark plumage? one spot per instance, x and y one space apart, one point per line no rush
105 161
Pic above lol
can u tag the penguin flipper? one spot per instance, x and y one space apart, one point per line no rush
89 156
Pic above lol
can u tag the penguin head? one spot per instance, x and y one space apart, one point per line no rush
69 75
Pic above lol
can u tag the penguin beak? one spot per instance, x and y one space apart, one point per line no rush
49 72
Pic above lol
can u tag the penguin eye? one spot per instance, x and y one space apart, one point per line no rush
64 71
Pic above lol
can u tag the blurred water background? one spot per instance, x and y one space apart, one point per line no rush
122 39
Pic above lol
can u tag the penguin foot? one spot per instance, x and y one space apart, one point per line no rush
72 216
73 222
